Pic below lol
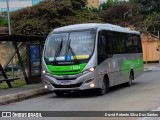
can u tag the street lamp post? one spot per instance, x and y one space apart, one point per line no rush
9 29
9 22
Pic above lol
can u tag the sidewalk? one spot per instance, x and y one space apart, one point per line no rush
151 66
15 94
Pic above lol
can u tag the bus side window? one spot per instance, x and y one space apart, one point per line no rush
120 43
139 44
129 47
102 54
109 44
137 47
135 44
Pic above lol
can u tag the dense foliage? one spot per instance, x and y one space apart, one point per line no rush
106 5
40 19
144 15
3 19
150 6
121 14
44 17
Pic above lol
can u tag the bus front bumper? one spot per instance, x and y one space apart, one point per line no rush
85 82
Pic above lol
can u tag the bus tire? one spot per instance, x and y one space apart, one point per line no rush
59 93
131 77
104 89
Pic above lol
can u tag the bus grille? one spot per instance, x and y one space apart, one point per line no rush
66 79
67 86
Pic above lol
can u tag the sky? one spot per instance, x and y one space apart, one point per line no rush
106 0
102 0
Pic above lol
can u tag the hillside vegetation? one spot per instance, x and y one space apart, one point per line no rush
44 17
142 15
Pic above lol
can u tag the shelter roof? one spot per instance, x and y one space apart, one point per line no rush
21 38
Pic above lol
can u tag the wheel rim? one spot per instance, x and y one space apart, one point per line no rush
103 87
130 79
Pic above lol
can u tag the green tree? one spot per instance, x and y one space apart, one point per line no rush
3 19
79 4
150 6
4 23
106 5
44 17
121 14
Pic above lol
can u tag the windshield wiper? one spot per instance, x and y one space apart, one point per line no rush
72 52
58 50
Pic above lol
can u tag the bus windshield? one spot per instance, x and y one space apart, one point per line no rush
73 46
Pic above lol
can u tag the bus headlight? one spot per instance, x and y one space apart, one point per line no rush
43 71
89 70
92 85
45 86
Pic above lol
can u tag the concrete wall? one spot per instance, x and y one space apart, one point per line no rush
149 50
5 53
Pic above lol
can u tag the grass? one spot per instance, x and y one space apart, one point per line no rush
15 84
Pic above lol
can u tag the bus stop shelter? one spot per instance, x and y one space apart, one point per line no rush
17 41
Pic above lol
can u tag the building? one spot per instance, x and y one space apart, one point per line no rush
17 4
93 3
150 45
4 55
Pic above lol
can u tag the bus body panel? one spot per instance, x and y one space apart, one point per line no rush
50 79
78 83
117 68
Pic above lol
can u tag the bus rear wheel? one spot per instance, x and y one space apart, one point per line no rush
104 89
131 77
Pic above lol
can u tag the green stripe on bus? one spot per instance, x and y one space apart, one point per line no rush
127 65
66 70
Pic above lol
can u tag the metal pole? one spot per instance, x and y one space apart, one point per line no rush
159 47
9 25
159 54
9 29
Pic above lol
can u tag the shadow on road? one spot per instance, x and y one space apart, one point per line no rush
91 93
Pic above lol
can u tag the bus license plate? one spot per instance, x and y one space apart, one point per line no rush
65 82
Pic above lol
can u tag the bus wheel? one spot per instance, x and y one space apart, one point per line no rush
131 77
104 89
59 93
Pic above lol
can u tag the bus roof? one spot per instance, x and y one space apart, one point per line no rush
107 26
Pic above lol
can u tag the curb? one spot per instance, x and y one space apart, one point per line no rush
148 70
154 68
21 95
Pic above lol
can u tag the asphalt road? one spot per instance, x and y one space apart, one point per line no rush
143 95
